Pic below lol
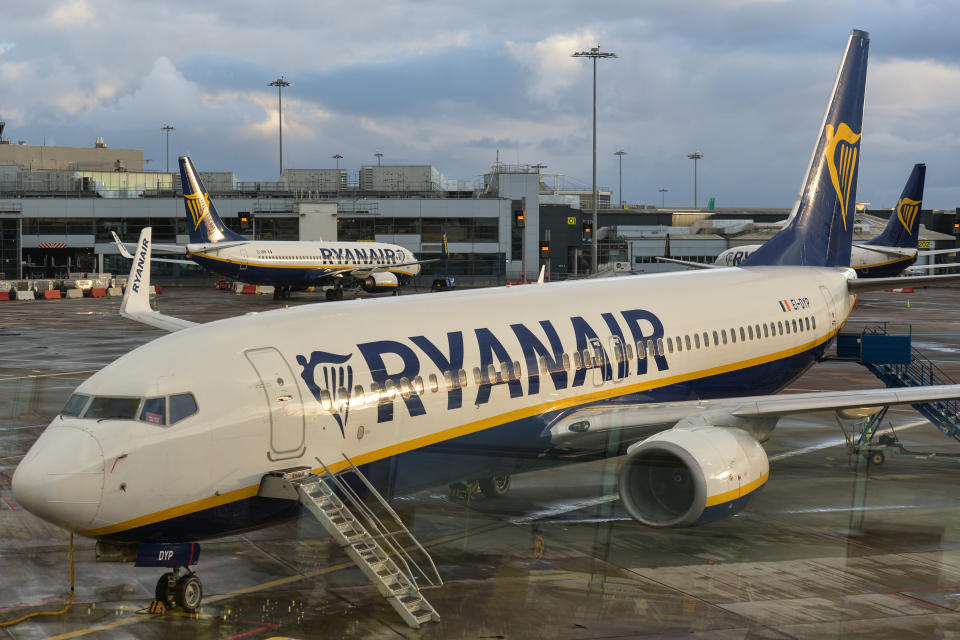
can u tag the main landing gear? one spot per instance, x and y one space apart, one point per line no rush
335 293
492 487
282 292
184 591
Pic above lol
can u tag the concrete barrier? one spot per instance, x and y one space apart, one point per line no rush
52 294
248 290
26 295
114 292
98 292
4 295
74 293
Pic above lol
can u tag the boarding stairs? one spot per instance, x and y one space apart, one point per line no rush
894 361
383 552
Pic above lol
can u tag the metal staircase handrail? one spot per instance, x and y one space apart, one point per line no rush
396 549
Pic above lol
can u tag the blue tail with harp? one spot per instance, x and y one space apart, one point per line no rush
903 228
203 222
821 232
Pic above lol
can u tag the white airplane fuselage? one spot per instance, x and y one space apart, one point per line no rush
301 263
866 261
470 372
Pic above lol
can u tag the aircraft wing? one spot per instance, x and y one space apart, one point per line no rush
136 299
173 249
589 428
689 263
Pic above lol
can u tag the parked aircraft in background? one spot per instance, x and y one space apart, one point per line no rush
375 267
172 442
888 254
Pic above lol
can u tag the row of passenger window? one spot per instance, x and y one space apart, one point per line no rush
586 359
748 332
161 411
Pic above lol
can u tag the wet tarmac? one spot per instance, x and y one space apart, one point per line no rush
831 547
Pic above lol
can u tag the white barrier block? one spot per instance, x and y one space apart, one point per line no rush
26 295
74 293
114 292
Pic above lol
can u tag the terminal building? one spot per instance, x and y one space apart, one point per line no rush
58 206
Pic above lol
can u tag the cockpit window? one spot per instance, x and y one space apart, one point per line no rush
112 408
75 405
154 411
181 406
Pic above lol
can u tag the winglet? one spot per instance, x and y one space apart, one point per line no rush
122 249
543 269
136 299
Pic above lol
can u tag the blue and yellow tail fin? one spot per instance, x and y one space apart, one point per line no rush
903 228
821 232
203 222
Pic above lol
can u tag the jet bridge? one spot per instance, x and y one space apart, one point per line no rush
891 358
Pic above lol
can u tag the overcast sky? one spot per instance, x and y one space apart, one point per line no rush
450 83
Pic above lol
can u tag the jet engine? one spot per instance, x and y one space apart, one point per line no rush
380 282
691 475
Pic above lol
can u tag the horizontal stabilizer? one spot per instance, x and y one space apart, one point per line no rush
879 284
689 263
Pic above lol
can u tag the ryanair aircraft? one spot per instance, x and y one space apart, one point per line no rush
888 254
172 442
376 267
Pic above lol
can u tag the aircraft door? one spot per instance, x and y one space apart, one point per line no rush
599 361
831 309
243 259
618 365
284 403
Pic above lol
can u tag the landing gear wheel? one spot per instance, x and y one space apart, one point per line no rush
495 487
165 588
338 293
329 294
188 592
276 293
876 457
396 292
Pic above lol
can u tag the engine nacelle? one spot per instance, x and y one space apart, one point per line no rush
691 475
380 282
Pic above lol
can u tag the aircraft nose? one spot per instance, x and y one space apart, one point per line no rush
61 477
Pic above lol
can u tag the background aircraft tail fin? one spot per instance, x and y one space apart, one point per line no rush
903 228
203 222
821 232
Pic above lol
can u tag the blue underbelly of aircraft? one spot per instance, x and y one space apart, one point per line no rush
887 270
513 447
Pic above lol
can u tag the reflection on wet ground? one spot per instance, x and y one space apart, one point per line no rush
832 547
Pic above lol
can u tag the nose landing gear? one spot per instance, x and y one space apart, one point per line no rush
184 591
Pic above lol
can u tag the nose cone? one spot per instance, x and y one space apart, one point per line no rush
61 478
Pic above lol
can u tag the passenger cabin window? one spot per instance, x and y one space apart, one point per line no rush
723 335
75 405
435 383
696 340
686 341
182 405
808 323
716 340
670 345
766 333
566 362
641 352
787 326
660 350
743 335
780 327
814 321
793 322
154 411
749 331
113 408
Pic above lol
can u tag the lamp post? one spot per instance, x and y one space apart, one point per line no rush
594 53
167 129
337 157
280 83
696 155
620 153
379 155
663 196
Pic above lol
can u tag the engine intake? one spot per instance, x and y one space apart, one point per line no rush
687 476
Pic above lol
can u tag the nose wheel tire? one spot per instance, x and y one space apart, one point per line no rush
165 588
495 487
188 592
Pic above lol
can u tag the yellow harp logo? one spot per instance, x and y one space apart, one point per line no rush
841 156
907 211
198 208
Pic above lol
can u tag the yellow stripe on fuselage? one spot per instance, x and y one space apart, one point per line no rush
467 429
270 265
